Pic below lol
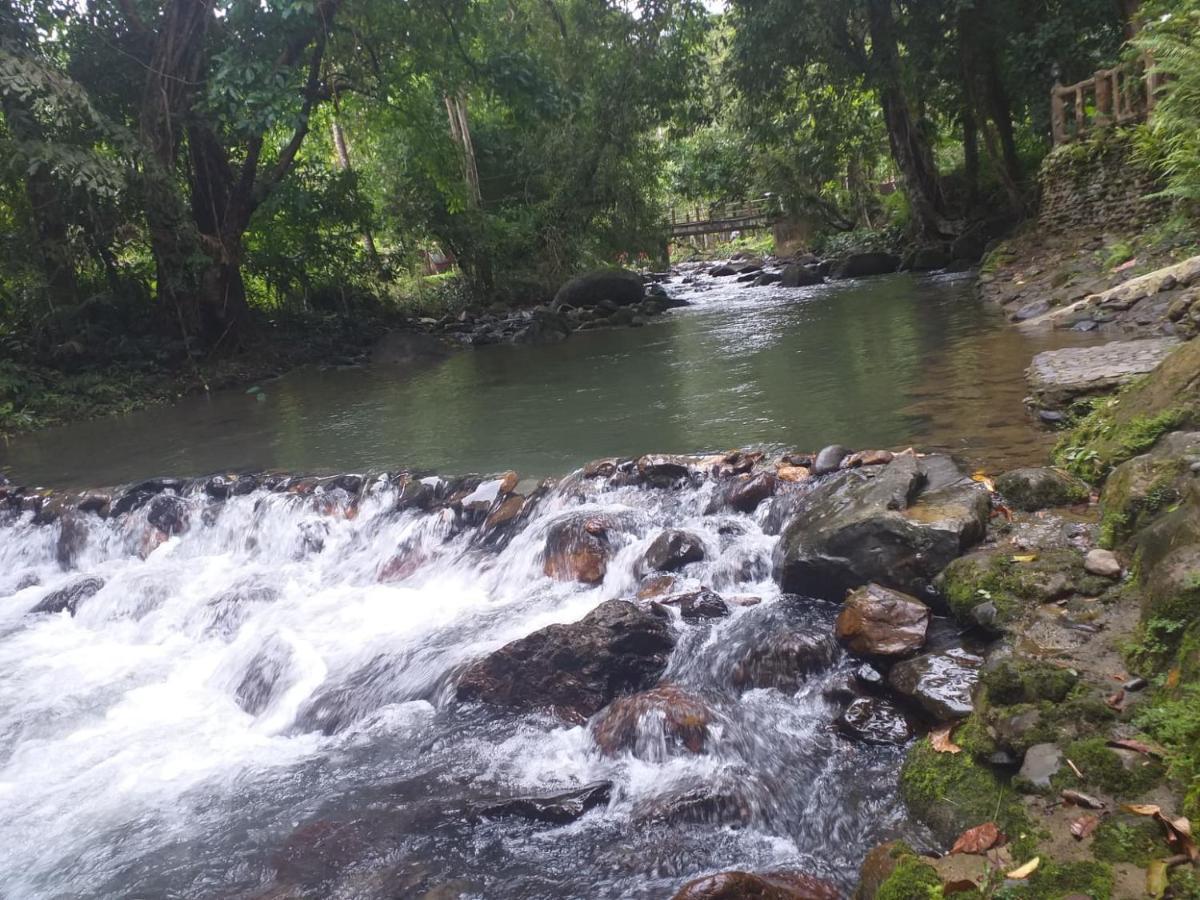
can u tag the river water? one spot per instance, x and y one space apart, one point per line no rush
263 705
884 362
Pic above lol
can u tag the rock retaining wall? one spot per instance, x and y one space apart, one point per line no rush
1096 185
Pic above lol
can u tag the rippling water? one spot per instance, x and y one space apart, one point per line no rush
885 362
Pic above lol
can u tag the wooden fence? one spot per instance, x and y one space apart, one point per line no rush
1114 96
723 218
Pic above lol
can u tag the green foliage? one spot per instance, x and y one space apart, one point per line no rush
912 879
1129 839
1103 769
1173 719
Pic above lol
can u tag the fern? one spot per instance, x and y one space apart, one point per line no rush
1173 42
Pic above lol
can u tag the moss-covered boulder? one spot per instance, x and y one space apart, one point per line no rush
1130 423
1032 489
993 588
1168 561
1142 488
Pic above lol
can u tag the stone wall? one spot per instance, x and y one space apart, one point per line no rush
1095 185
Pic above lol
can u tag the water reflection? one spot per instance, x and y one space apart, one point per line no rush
883 362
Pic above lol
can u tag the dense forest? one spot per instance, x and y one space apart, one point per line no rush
183 179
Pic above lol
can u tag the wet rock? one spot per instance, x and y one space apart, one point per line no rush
877 621
940 684
576 669
744 494
554 809
168 513
72 539
875 721
652 723
1042 762
784 660
98 502
861 265
672 550
578 548
1103 563
897 525
869 678
796 275
927 259
829 459
318 850
264 672
793 474
767 278
618 286
877 866
664 470
1040 488
698 605
416 495
749 886
70 597
723 271
656 586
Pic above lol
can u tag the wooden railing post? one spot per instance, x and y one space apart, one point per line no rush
1058 126
1080 122
1104 98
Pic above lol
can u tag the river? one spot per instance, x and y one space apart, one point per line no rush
262 705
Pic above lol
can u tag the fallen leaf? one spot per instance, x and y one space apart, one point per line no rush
1116 701
1126 266
981 477
1143 809
1139 747
1156 878
1084 826
1004 511
1180 836
979 839
1075 769
1025 557
1087 801
940 740
1026 870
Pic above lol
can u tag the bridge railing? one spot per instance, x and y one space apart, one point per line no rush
765 207
1115 96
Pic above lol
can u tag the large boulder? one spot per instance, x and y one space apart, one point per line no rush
619 286
877 621
940 684
672 550
796 275
784 660
897 525
859 265
751 886
872 720
576 669
578 547
652 722
70 597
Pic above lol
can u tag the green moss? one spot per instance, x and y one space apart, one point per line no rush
1104 769
1172 718
1011 586
1184 883
1028 681
951 792
1053 881
912 879
1102 440
1129 839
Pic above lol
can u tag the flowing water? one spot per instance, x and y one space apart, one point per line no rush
263 705
885 362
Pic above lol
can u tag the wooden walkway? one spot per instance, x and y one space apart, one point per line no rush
724 219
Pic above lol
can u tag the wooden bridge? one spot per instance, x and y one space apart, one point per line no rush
1114 96
725 218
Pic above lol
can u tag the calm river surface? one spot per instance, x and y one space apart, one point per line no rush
885 362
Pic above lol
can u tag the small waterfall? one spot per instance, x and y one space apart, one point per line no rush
246 688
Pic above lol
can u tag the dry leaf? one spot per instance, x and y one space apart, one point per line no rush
979 839
1084 826
1075 769
1087 801
1139 746
982 478
1116 701
1025 557
1143 809
1179 836
1026 870
940 740
1156 878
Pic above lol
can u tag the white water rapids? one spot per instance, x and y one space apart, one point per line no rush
247 709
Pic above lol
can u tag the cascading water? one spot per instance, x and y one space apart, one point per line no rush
262 704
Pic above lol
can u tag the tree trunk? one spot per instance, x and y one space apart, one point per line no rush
970 154
909 147
343 155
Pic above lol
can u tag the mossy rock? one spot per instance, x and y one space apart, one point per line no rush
951 792
1131 839
1172 718
1104 769
1168 561
1142 488
1053 881
990 588
1131 422
1013 681
1032 489
911 879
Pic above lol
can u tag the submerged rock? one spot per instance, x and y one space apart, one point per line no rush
940 684
652 722
877 621
554 809
576 669
698 605
875 721
784 660
749 886
70 597
897 525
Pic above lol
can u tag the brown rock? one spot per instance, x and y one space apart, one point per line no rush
666 711
750 886
793 474
879 621
505 511
578 548
672 550
655 586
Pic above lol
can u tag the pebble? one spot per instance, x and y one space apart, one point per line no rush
1135 684
1102 562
